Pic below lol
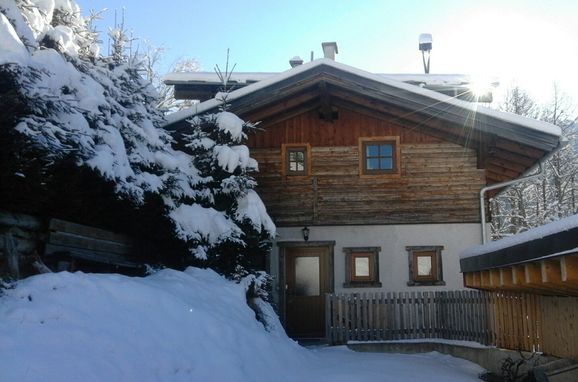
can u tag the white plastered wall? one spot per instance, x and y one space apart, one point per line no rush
393 258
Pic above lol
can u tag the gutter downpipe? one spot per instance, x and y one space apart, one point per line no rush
563 142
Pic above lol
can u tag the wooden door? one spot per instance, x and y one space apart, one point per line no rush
307 281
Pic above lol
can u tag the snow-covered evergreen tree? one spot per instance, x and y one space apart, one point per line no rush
217 146
62 102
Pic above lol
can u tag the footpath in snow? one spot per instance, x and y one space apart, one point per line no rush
174 326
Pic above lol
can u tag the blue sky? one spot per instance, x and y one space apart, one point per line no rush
531 42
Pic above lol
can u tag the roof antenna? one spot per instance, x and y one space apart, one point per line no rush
425 43
311 55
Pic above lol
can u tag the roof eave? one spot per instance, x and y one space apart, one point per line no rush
404 95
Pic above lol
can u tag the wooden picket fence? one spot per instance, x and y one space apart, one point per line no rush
515 320
509 320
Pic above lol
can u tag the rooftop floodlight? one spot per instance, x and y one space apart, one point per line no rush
425 44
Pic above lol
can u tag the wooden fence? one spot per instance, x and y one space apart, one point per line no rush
515 320
508 320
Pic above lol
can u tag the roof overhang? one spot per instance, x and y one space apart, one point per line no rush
273 89
543 260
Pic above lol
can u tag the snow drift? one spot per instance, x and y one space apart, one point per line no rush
175 326
171 326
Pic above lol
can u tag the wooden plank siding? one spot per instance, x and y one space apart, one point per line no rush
344 131
438 182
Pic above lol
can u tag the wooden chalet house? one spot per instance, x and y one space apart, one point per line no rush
373 183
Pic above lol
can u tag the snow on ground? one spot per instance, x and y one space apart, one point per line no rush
339 364
174 326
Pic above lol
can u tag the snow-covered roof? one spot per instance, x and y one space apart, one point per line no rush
212 77
433 99
524 237
183 78
551 240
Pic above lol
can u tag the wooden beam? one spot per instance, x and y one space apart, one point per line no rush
486 281
284 115
533 279
495 281
290 89
267 111
533 274
508 281
551 271
508 156
472 280
411 124
507 278
552 277
501 171
325 109
569 269
493 177
518 148
463 134
510 165
469 280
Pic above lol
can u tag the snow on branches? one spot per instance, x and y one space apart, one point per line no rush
68 102
215 144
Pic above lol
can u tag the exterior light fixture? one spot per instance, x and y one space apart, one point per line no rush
305 231
425 45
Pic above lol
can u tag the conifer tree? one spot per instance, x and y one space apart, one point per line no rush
216 145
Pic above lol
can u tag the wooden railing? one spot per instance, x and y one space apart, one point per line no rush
503 319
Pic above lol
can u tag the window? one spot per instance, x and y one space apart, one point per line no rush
379 155
425 265
296 159
362 267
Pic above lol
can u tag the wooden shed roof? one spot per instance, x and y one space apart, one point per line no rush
508 145
543 260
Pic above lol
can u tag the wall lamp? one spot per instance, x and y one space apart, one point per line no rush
305 231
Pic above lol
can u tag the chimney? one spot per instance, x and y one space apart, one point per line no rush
295 61
329 50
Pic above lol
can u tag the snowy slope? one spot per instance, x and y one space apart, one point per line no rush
171 326
174 326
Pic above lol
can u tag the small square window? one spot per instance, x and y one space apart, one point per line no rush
379 155
362 267
295 159
425 265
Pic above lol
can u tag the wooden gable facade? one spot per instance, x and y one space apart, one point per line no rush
446 150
